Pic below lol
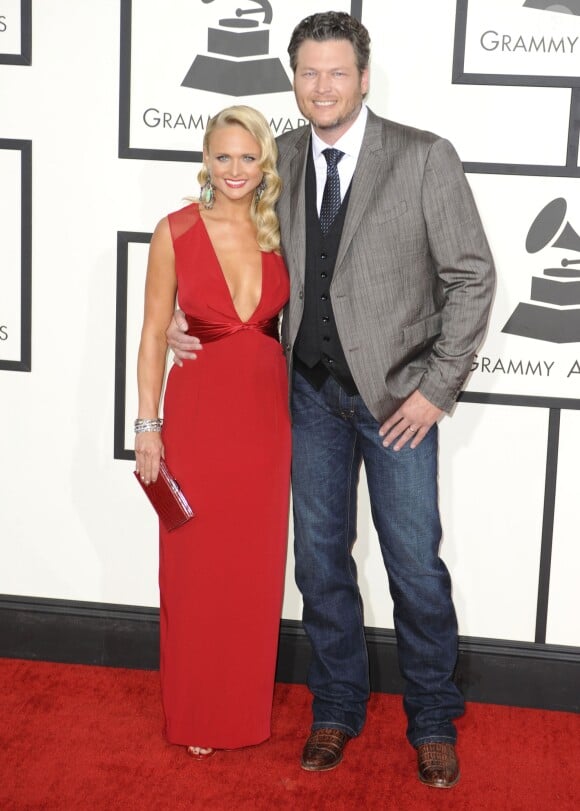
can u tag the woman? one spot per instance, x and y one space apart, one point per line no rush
225 437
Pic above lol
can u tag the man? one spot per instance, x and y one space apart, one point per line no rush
391 284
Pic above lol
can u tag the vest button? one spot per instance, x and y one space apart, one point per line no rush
325 319
324 297
324 255
323 275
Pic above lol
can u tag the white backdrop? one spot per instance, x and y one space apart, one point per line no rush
73 523
10 254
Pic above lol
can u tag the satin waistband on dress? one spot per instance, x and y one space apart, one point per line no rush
208 331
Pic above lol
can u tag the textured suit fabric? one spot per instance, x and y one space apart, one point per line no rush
414 276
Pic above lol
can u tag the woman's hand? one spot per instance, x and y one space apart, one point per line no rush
148 452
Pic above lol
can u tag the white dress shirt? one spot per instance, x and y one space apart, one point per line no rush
350 143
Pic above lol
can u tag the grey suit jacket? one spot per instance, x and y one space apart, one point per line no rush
414 276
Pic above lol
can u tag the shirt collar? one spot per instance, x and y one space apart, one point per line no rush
349 143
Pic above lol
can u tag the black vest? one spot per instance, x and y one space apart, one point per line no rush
317 350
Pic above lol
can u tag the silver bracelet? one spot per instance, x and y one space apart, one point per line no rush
148 425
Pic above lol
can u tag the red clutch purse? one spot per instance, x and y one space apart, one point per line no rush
166 497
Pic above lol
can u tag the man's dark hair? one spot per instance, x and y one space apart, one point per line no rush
332 25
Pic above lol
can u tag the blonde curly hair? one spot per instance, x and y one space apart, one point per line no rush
262 209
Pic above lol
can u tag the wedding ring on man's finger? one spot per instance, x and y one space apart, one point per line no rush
412 428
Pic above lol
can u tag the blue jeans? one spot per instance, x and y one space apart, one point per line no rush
332 434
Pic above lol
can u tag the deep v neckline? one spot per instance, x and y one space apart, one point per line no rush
225 281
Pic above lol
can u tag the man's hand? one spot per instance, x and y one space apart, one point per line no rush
183 346
410 422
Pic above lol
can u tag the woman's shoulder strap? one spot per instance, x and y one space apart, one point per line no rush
183 220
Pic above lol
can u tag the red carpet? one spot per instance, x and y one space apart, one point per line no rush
76 737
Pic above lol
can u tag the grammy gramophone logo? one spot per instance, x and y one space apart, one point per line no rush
564 6
238 61
553 313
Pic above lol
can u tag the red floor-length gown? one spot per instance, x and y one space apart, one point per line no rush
227 441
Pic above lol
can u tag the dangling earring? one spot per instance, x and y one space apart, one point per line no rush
207 194
260 189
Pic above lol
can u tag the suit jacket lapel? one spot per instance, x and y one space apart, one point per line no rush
372 154
297 207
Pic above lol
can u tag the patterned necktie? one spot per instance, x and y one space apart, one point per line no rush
331 197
